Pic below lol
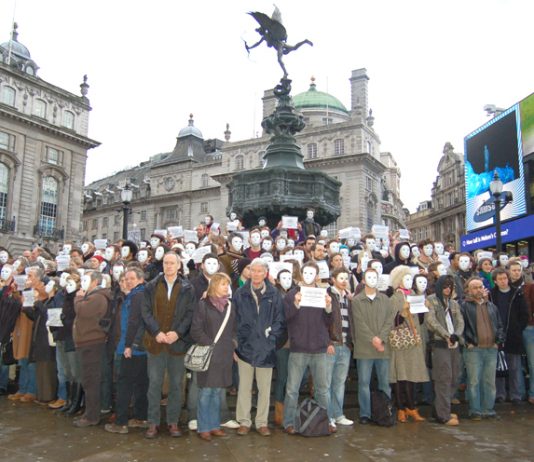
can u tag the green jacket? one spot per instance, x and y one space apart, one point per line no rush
436 323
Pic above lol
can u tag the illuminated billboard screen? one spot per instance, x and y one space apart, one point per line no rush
495 147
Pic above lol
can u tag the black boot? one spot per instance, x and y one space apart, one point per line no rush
76 404
70 392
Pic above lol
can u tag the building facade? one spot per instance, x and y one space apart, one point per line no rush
443 217
43 152
182 186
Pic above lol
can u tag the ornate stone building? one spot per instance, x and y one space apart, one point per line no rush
182 186
443 217
43 151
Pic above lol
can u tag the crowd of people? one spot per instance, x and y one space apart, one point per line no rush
103 328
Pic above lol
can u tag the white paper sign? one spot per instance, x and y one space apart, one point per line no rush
417 304
176 231
314 297
380 231
199 253
444 259
190 236
160 232
383 282
28 297
231 226
54 317
353 266
414 270
365 261
290 222
346 261
101 243
245 235
63 262
324 271
481 255
276 266
20 280
404 234
350 232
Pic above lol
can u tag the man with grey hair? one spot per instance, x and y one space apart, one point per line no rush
260 327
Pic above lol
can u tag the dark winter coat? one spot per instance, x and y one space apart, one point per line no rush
469 312
90 309
40 348
397 260
253 346
206 323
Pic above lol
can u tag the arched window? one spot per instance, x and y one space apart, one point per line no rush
4 190
49 203
68 119
204 180
239 162
312 150
371 213
339 147
39 108
8 96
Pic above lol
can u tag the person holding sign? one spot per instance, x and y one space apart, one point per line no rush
309 338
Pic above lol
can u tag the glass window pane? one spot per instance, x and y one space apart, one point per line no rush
8 96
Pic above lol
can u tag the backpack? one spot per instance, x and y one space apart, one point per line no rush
383 413
312 419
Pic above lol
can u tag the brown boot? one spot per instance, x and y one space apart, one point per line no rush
414 415
401 416
278 413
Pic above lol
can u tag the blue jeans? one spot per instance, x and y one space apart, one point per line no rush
192 400
61 378
515 379
337 369
365 370
209 409
27 377
156 366
481 364
298 362
528 341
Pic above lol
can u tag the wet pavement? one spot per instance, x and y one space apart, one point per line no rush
29 432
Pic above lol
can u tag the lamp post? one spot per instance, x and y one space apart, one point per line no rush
498 197
126 197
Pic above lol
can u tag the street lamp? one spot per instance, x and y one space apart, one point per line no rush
126 197
498 197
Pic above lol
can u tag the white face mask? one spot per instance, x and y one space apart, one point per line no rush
286 280
421 284
50 287
207 220
334 247
142 256
85 247
280 245
189 248
442 271
371 279
342 280
104 284
503 260
117 271
16 265
211 266
415 252
154 242
464 263
407 281
233 216
125 251
142 245
438 247
283 233
262 223
428 250
160 252
264 233
6 273
109 253
377 266
309 274
266 257
524 264
344 252
324 233
237 244
298 254
350 242
370 244
63 279
3 257
70 286
86 282
66 249
255 239
309 214
291 243
102 266
404 252
267 245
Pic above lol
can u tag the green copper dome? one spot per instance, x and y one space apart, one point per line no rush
317 99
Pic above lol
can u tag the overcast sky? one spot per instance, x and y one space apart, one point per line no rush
432 67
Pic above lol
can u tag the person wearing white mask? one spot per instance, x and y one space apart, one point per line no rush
373 316
426 254
90 341
254 250
309 337
439 248
129 251
155 267
407 365
402 255
144 257
4 257
420 283
280 245
267 244
232 255
88 250
463 274
309 226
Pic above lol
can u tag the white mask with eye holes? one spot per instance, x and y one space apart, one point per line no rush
377 266
370 244
283 233
85 247
267 245
102 266
4 257
415 251
264 233
125 251
160 252
298 254
464 263
334 247
342 280
267 257
109 253
404 252
207 220
421 284
66 249
190 249
262 223
255 239
117 271
211 266
524 263
442 271
350 242
428 250
281 244
286 280
50 287
63 279
154 242
503 260
233 216
237 244
324 233
309 214
309 275
6 272
407 281
142 245
86 282
438 247
142 256
70 286
371 279
291 243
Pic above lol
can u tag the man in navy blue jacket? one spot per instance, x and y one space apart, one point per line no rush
260 325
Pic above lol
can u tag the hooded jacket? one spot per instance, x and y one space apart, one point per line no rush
90 309
397 261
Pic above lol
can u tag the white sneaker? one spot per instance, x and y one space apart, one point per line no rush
231 424
192 425
344 421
